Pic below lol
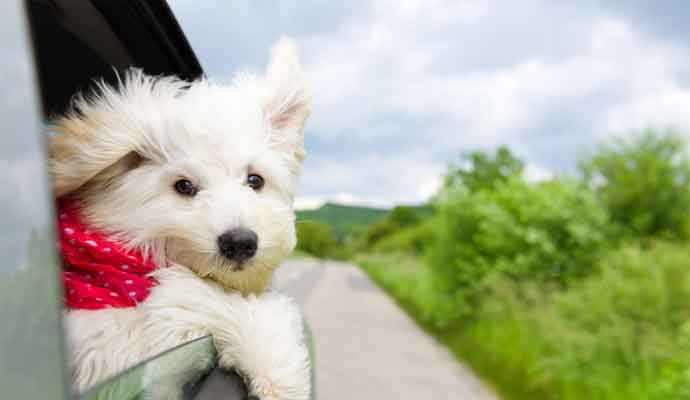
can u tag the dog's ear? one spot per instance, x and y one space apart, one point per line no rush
77 153
288 102
107 126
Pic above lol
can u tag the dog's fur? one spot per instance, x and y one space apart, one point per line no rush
119 153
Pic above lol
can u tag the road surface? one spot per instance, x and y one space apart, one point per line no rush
366 347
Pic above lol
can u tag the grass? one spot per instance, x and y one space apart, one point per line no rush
301 254
622 333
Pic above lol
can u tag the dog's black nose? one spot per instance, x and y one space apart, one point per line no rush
238 244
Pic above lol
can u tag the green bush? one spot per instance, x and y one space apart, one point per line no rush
644 181
414 239
623 333
549 232
398 218
478 170
315 238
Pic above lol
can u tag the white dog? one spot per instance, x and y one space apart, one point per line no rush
200 179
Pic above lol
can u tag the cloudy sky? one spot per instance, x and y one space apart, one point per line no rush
403 87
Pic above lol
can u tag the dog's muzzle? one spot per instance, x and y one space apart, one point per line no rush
238 245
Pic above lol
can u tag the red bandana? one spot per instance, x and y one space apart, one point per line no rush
98 273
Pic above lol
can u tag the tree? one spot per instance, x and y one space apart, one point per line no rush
479 170
397 219
644 181
315 238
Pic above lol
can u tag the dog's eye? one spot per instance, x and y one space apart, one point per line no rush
255 182
185 187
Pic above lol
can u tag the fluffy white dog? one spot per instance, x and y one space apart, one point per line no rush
201 178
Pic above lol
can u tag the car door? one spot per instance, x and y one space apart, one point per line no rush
32 361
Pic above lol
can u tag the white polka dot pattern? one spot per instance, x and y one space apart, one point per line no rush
99 273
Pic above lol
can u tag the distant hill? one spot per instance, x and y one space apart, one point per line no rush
342 218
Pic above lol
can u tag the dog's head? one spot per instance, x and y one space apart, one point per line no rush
202 175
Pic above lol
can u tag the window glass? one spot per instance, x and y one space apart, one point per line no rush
175 374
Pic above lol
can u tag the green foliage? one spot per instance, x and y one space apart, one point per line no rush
478 170
398 218
315 238
620 334
645 183
549 232
413 239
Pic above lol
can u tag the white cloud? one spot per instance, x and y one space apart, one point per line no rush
314 202
536 173
403 87
666 109
429 187
308 202
382 67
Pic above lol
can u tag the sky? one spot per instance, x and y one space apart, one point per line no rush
402 88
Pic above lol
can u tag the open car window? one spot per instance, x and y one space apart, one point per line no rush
79 41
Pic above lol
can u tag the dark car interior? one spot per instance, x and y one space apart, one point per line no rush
79 41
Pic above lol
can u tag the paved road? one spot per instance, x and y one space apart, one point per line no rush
366 347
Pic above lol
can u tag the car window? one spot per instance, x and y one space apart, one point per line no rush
176 374
31 342
186 372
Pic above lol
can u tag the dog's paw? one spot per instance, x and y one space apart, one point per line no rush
269 350
262 388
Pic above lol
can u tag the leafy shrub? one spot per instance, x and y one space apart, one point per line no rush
478 170
315 238
550 232
398 218
644 182
414 239
622 333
